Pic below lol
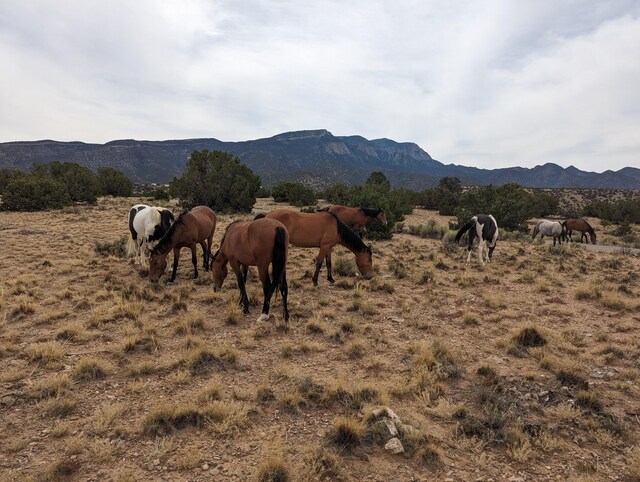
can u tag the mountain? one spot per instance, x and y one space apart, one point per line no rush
314 157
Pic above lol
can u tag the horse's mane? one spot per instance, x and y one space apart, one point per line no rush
350 239
225 235
165 243
371 212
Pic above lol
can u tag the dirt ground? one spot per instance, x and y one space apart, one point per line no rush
526 369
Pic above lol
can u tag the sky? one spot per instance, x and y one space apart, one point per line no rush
479 82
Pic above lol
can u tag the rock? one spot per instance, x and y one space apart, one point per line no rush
156 462
7 401
394 446
205 466
391 427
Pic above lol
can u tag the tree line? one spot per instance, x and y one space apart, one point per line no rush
219 180
59 184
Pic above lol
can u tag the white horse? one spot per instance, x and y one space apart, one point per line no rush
147 225
485 228
550 228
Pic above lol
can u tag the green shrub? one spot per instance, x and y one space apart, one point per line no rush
114 183
31 193
216 179
81 184
293 193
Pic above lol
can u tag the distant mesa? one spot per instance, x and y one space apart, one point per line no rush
315 157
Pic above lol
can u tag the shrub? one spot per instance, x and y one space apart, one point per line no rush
81 184
293 193
30 193
216 179
114 183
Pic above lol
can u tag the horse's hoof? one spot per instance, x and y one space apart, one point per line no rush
263 317
331 280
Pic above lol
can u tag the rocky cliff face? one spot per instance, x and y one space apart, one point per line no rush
315 157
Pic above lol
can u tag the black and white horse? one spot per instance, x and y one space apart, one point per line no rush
147 225
485 228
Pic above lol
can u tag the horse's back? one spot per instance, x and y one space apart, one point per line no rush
306 230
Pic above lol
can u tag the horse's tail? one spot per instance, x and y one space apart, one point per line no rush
279 257
259 216
468 225
132 246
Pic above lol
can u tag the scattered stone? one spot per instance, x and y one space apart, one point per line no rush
156 462
394 446
391 427
205 466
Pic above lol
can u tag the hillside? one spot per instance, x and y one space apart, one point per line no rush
315 157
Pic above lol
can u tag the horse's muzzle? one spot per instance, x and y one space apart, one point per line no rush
368 276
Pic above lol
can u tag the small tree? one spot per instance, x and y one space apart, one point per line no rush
8 175
216 179
114 183
33 193
377 180
448 193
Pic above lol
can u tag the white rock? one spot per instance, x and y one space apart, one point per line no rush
394 446
391 427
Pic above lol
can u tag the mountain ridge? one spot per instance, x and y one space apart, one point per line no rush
315 157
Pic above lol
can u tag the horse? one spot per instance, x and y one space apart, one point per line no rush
255 243
485 228
549 228
147 224
357 218
323 230
581 225
192 227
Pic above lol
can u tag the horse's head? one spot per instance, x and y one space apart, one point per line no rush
365 262
157 265
592 235
218 270
381 217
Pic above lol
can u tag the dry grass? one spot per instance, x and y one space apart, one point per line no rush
101 366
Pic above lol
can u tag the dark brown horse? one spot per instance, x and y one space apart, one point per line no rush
323 230
255 243
191 228
581 225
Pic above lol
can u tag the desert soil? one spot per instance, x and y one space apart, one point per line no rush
93 357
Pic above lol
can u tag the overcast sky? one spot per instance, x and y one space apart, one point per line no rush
481 83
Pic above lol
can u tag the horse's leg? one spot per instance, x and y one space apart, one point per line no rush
205 256
244 299
324 250
480 242
266 290
194 260
176 257
328 263
245 270
284 290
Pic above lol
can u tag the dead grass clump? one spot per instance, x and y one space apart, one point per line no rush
420 446
530 337
202 360
51 387
233 314
613 302
346 434
356 350
58 407
364 395
364 308
189 324
166 419
24 308
398 268
116 248
320 464
107 415
141 369
265 394
572 379
273 469
46 352
61 469
212 391
315 326
90 369
436 358
344 266
470 319
588 401
311 390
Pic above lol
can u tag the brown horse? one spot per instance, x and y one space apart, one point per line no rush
323 230
191 228
255 243
357 218
581 225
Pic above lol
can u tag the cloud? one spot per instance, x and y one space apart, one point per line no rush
492 83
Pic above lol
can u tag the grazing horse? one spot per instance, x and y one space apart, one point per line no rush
485 228
549 228
323 230
191 228
581 225
255 243
357 218
147 224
